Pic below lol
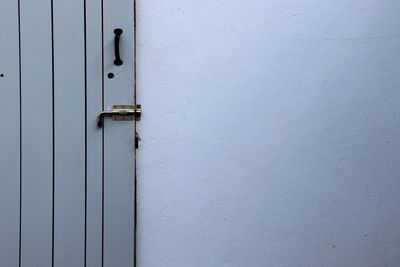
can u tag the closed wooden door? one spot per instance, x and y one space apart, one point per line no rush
66 184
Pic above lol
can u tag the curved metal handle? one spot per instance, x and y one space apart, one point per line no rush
100 117
118 61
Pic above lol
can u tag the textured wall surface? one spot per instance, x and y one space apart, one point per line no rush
270 133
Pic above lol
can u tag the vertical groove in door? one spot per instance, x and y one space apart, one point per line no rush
85 78
102 129
53 133
136 141
20 132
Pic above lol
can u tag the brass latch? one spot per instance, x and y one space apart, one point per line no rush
121 113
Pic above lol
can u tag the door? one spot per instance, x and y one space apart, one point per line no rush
67 185
271 134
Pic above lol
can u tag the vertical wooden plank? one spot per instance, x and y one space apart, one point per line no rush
94 134
37 141
119 147
9 134
69 106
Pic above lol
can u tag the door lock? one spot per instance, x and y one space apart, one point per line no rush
120 113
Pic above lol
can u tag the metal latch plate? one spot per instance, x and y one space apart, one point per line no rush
126 112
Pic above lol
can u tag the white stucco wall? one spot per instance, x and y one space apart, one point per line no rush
270 133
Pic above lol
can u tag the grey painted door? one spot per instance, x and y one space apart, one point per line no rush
271 136
66 185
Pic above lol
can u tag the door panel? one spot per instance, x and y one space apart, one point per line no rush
69 135
75 180
119 146
271 133
37 133
9 134
94 87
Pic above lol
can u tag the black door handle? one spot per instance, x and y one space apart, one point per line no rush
118 61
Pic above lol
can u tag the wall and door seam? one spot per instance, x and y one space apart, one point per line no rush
136 136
